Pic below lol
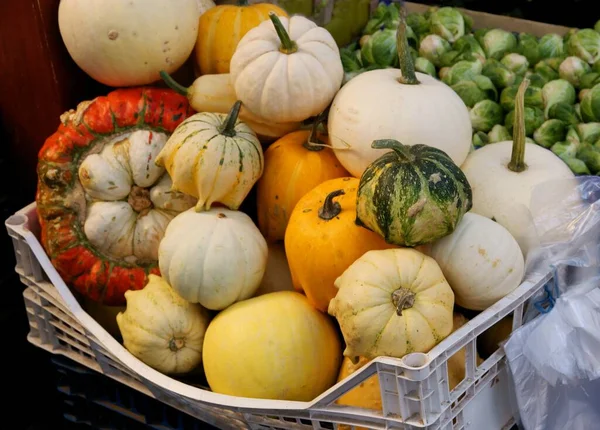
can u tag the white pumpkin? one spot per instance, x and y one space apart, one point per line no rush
215 257
504 175
404 105
125 43
161 329
204 5
286 70
214 157
481 261
129 198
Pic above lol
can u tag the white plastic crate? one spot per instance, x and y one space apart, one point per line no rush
415 391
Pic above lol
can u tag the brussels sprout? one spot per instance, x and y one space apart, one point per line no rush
549 133
585 44
499 133
572 135
461 71
516 63
486 114
590 105
533 97
570 32
448 23
589 80
384 16
544 69
418 23
380 49
480 139
534 118
350 61
565 112
474 90
573 69
479 34
443 73
589 132
423 65
596 67
433 47
469 44
528 47
551 45
577 108
535 79
558 91
577 166
498 73
497 42
590 155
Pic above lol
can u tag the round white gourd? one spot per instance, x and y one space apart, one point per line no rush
215 257
504 193
376 105
481 261
126 43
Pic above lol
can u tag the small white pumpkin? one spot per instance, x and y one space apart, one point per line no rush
214 157
481 261
215 257
161 329
126 43
286 70
403 105
504 175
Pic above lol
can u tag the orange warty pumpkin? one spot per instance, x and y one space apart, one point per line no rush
322 239
102 203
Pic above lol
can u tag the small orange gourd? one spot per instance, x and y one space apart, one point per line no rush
322 239
294 165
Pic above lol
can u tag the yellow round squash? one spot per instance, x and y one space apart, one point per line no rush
274 346
220 30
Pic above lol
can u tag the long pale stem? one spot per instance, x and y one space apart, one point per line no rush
517 160
407 65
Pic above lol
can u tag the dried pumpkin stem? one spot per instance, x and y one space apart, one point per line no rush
331 209
517 160
407 65
175 344
402 299
288 46
313 143
173 84
228 126
402 151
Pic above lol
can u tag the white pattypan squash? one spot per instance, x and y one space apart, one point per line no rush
391 303
213 157
129 198
215 257
286 69
481 260
161 329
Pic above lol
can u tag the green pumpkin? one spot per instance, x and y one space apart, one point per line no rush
412 195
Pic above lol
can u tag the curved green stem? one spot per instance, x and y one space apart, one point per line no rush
402 151
331 209
228 126
288 46
517 159
173 84
312 137
407 65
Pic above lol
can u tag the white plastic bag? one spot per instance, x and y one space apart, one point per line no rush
554 358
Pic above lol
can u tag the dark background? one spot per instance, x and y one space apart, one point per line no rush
39 81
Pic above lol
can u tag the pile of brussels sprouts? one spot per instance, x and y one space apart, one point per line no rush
485 67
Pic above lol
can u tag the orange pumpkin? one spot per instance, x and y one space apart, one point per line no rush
220 30
294 165
322 240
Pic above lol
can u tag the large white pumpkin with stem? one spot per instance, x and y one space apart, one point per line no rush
286 70
125 43
215 257
403 105
481 261
504 175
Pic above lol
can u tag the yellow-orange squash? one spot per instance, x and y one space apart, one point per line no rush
294 165
322 239
220 30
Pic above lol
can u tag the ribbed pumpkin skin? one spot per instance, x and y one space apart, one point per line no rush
412 195
220 30
291 171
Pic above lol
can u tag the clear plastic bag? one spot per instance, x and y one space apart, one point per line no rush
554 358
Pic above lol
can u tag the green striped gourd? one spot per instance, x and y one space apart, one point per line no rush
412 195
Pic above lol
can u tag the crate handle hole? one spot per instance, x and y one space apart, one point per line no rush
415 360
17 219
